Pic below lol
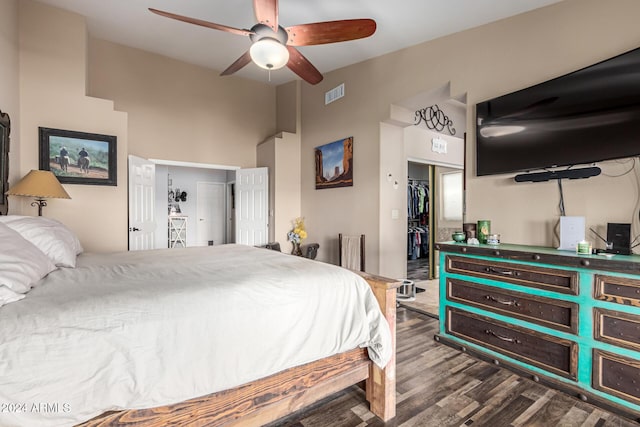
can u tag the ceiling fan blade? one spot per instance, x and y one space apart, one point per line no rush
302 67
330 32
267 12
237 65
202 23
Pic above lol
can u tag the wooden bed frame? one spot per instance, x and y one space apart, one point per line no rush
273 397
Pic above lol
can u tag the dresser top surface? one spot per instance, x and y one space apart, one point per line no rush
623 263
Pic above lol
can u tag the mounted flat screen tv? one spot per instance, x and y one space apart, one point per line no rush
584 117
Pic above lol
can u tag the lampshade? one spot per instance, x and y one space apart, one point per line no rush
40 184
269 54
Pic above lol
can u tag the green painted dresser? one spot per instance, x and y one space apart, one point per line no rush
567 320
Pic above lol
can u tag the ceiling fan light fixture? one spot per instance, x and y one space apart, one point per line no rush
269 54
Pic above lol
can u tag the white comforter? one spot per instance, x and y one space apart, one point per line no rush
143 329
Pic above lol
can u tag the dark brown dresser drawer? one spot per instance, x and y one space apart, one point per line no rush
553 354
519 274
620 290
616 375
557 314
617 328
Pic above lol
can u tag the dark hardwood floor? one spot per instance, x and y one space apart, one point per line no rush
418 269
440 386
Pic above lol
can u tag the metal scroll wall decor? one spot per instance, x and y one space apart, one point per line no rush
435 119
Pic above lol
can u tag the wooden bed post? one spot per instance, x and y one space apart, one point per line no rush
381 384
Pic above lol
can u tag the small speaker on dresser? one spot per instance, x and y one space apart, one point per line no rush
620 236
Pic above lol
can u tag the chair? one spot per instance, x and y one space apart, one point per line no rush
351 252
311 250
271 245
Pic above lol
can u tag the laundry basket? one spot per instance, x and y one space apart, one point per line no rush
406 291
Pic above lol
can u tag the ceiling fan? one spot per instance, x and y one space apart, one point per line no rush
274 46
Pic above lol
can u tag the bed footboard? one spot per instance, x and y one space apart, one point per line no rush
274 397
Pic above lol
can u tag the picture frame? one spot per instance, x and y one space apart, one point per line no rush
334 164
79 157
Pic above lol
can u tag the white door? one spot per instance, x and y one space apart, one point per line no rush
142 180
210 213
231 212
252 196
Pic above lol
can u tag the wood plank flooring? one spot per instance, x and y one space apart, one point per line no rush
426 302
439 386
418 269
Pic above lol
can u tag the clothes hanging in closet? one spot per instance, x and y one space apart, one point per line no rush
418 201
417 242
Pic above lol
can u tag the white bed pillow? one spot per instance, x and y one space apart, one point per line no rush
52 237
21 263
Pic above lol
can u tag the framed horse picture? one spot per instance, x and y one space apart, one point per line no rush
79 157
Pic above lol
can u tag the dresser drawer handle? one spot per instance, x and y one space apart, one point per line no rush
503 272
500 337
502 301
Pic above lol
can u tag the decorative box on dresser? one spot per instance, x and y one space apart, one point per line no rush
570 321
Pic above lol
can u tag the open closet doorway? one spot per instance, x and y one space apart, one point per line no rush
179 204
193 202
434 212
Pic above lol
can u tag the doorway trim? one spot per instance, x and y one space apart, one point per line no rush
193 164
203 221
165 162
434 163
434 208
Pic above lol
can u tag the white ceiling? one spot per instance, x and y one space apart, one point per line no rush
401 23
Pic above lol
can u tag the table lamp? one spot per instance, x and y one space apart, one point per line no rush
41 185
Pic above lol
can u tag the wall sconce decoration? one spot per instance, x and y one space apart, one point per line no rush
390 179
435 119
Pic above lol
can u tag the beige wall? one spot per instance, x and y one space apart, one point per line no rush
417 145
482 62
52 85
400 143
393 231
281 155
179 111
288 106
287 176
348 210
9 94
175 111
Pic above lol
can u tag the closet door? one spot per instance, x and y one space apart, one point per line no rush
211 213
252 198
142 181
448 204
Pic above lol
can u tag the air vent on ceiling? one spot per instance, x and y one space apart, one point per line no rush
335 93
